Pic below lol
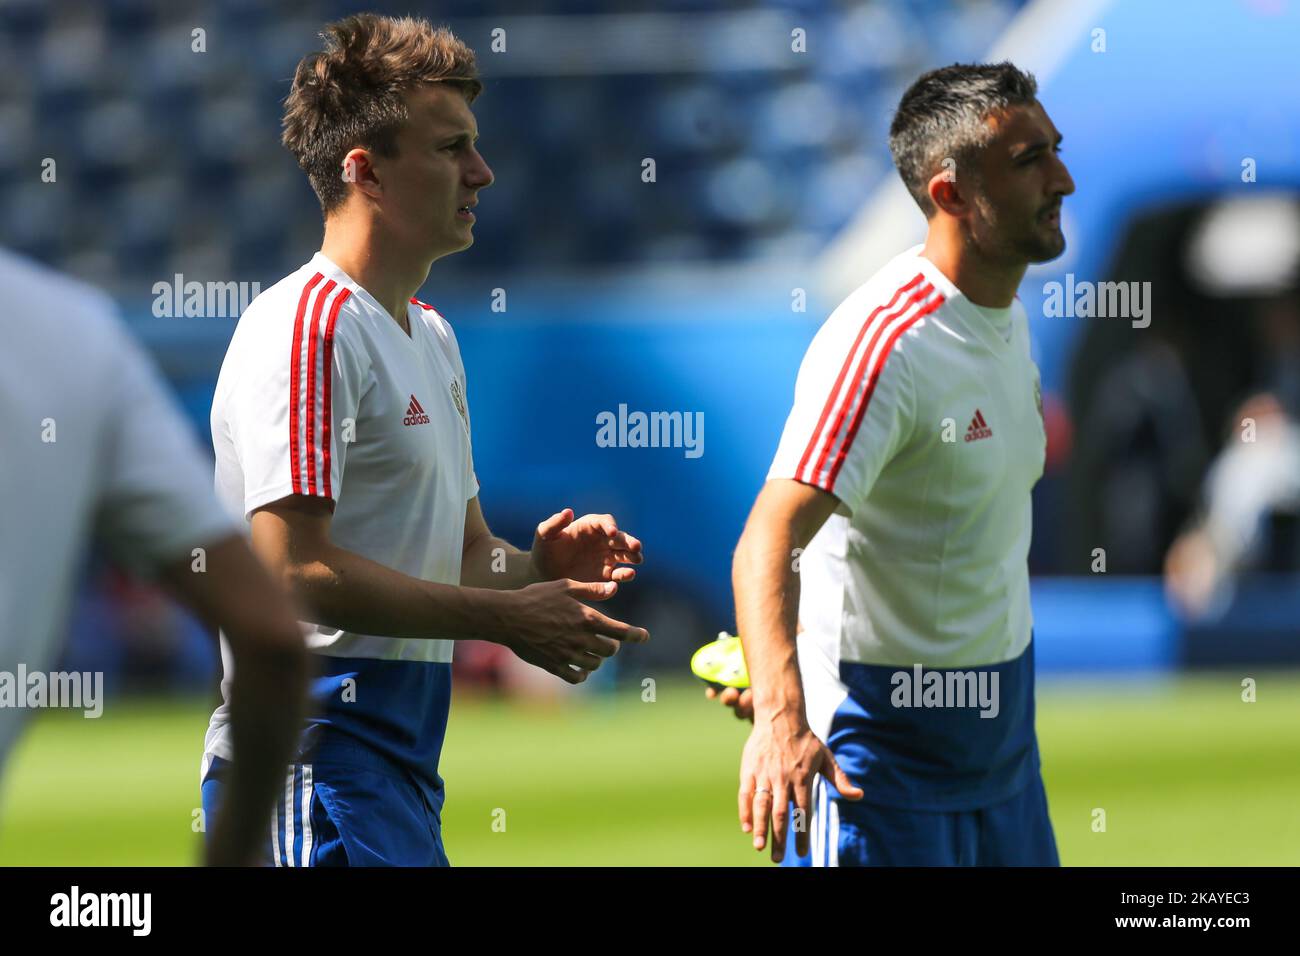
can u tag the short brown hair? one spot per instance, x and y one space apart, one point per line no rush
349 95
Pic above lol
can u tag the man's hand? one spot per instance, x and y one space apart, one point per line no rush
588 549
781 760
741 702
531 655
546 623
548 626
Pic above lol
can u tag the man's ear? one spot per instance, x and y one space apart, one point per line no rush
358 168
945 191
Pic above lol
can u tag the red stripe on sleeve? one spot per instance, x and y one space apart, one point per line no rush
844 371
295 360
850 395
327 410
311 384
871 387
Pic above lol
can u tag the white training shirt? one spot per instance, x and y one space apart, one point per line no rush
91 444
322 394
921 413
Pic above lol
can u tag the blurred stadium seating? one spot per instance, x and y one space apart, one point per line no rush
176 165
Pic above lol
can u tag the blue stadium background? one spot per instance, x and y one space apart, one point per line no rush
670 295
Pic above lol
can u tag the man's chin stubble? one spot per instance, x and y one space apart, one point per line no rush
1045 251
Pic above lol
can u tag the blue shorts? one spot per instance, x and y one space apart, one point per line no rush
1015 832
353 810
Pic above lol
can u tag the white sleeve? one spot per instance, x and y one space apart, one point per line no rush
291 421
155 502
471 479
852 413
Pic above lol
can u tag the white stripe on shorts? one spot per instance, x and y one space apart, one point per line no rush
825 818
815 824
288 818
275 832
306 814
834 834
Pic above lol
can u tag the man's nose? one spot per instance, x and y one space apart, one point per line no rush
1064 183
480 174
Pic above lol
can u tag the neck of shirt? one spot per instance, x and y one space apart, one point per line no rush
999 319
402 320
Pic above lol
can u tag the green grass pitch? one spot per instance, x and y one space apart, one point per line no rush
1186 772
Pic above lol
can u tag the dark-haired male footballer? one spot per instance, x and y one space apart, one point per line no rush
898 727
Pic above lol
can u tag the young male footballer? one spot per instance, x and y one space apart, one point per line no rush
898 727
342 434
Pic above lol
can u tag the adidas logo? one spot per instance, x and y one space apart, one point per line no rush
415 414
979 428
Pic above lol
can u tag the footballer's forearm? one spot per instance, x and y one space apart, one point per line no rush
268 692
766 589
492 562
266 704
340 588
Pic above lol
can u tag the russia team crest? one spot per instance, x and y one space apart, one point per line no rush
459 399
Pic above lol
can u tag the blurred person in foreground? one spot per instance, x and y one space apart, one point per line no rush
898 727
342 434
93 447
